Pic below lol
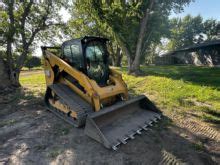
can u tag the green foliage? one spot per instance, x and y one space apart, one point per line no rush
120 21
83 24
32 61
212 29
7 123
25 23
190 30
2 54
185 32
54 153
199 146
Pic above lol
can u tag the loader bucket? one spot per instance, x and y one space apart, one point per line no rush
116 124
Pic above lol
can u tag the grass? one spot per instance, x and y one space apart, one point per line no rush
31 69
7 123
60 130
179 89
36 82
54 153
33 80
198 146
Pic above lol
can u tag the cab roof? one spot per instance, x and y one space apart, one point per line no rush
84 40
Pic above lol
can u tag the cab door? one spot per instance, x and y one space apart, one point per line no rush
72 54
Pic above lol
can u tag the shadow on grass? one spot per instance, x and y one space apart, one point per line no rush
211 116
206 76
202 76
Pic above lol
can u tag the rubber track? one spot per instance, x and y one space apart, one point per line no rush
75 102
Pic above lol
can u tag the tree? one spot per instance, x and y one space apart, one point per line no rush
131 22
82 24
22 23
191 30
32 61
212 29
185 31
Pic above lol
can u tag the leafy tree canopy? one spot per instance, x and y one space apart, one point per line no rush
134 24
190 30
23 23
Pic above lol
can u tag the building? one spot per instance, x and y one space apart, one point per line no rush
203 54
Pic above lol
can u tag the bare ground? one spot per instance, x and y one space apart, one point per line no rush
29 134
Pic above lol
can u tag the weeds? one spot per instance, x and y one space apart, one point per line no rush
7 123
54 153
198 146
61 130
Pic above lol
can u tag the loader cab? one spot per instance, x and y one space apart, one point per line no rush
89 55
72 54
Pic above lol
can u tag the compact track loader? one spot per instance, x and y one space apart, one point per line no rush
83 90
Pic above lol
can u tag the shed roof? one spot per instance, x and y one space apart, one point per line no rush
194 47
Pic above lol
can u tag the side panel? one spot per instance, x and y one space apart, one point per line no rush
49 73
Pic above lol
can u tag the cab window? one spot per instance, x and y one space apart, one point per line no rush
96 62
67 54
72 55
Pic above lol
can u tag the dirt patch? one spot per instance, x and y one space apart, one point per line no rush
29 134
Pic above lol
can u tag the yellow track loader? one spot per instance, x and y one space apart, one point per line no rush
84 91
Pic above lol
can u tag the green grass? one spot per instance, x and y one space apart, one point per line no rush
7 123
31 69
54 152
36 85
198 146
179 89
60 130
35 81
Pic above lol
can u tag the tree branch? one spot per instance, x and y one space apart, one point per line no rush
10 35
40 27
23 20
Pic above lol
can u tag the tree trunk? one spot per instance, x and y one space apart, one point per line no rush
130 61
112 55
128 55
8 68
135 66
119 56
9 56
14 78
4 76
8 76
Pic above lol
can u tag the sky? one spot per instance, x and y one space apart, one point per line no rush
206 8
